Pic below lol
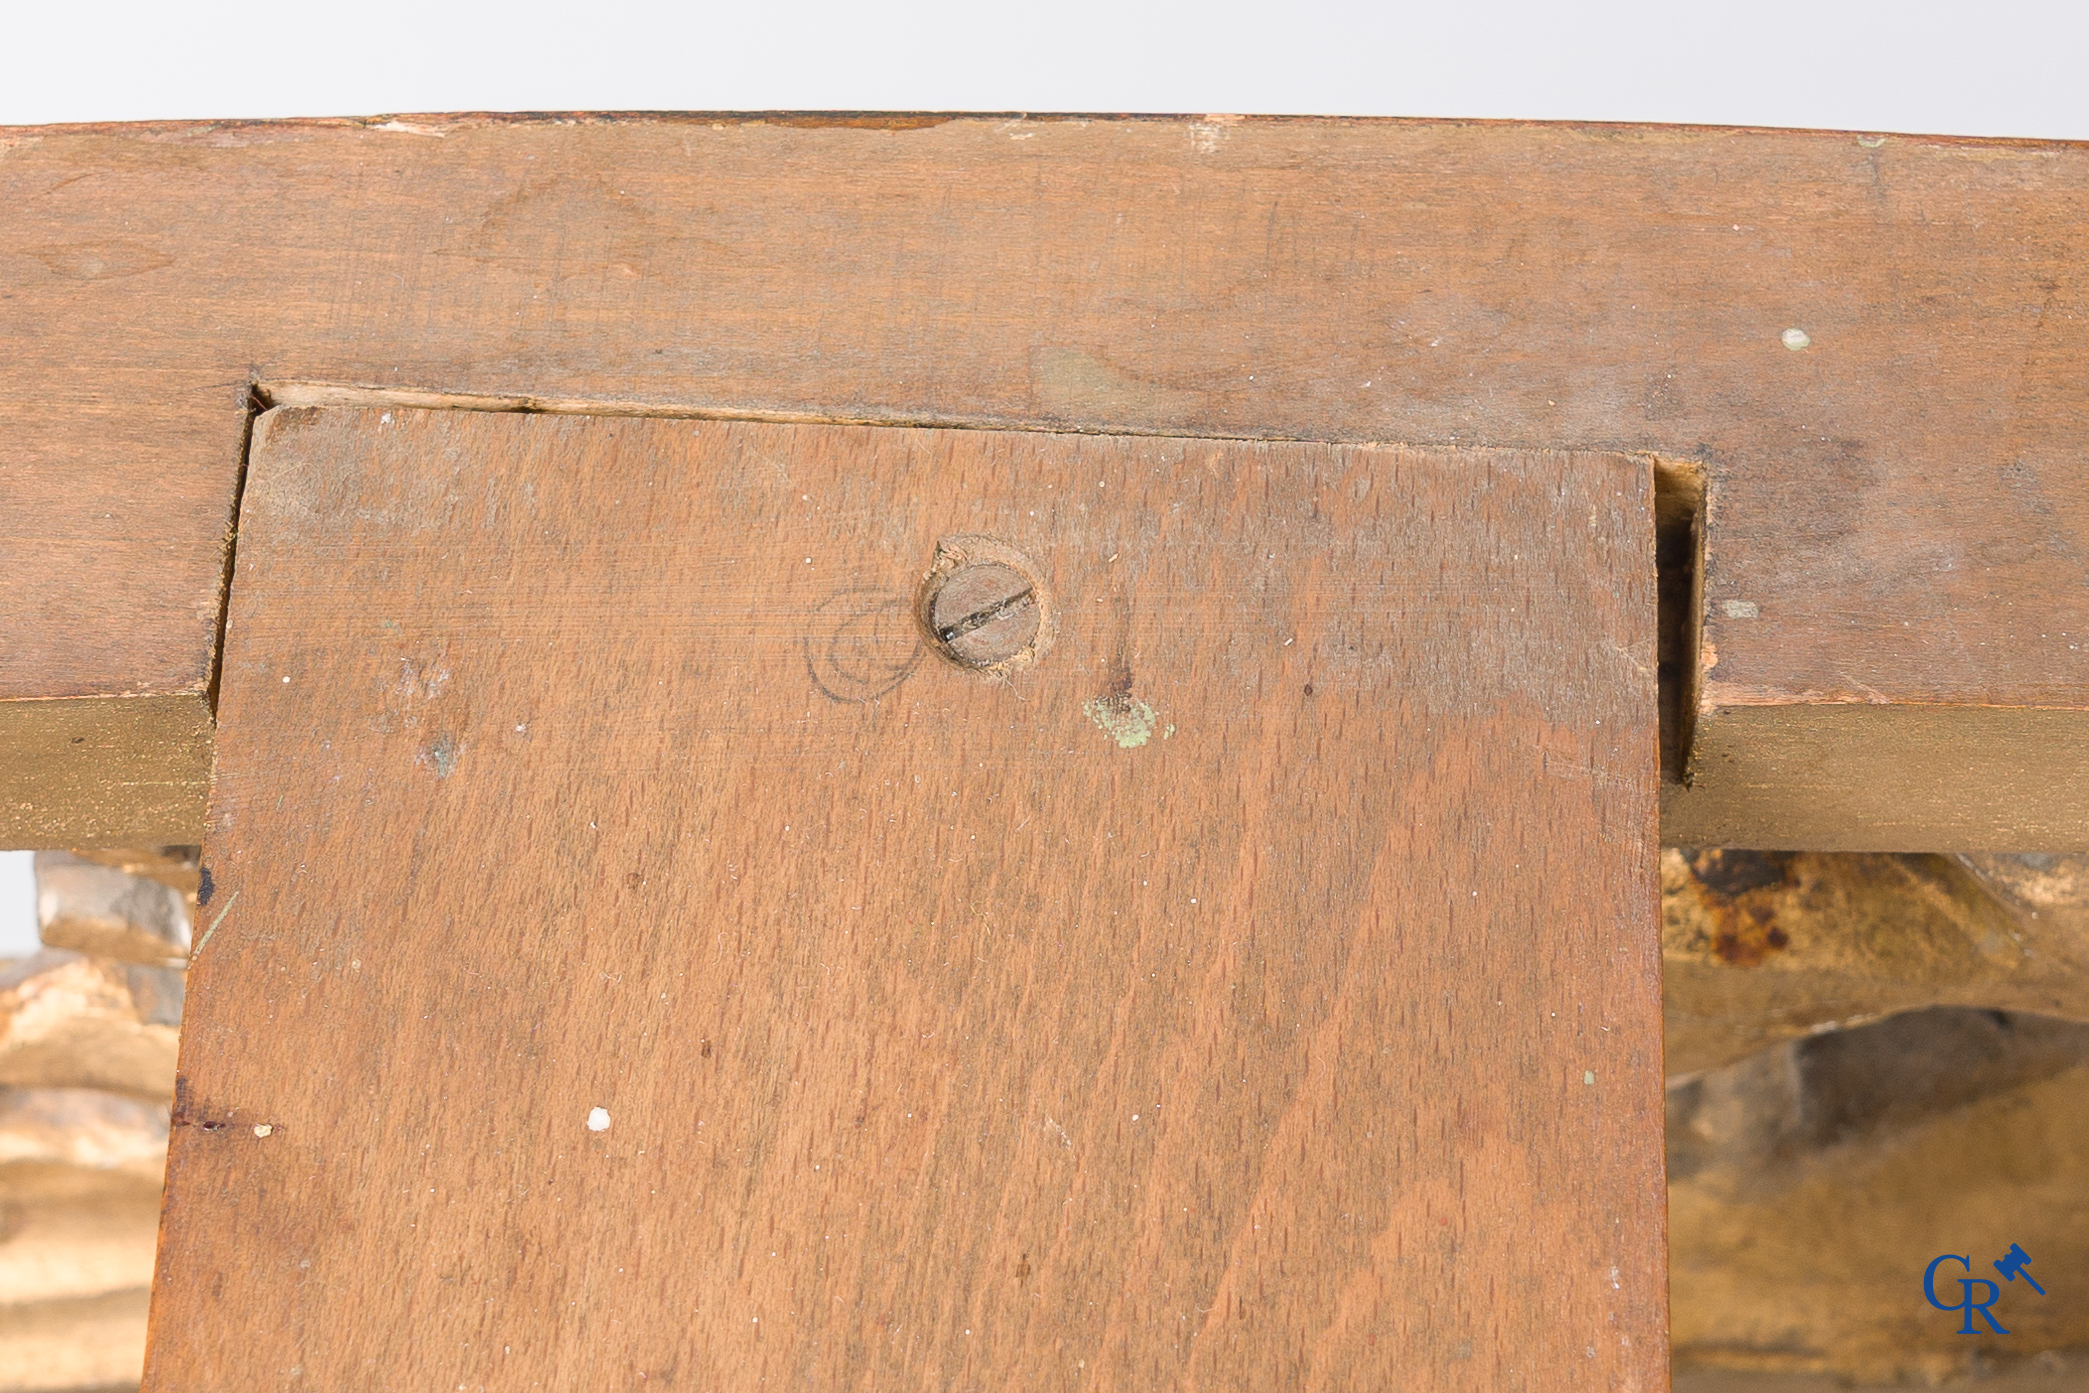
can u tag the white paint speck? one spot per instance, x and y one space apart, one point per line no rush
1740 609
1795 339
598 1119
286 680
1588 1076
262 1129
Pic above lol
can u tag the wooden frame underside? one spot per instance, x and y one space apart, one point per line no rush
1895 616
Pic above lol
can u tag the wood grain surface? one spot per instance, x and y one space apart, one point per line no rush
1259 990
1899 519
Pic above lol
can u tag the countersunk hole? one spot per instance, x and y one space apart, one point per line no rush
984 605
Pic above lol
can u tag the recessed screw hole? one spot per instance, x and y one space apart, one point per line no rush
983 612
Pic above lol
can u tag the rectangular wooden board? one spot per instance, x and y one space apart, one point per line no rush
1898 513
1261 990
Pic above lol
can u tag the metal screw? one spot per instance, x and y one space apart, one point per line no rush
984 613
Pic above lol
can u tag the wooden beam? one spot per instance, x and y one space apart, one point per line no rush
637 959
104 771
1898 524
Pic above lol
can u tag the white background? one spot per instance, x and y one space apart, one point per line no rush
1996 68
2003 67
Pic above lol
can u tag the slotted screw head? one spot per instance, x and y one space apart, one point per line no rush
985 613
984 605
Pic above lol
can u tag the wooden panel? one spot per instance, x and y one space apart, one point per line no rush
1899 519
1781 780
1260 990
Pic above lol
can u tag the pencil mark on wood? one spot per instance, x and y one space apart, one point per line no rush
862 644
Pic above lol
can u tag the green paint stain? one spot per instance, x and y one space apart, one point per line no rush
1588 1076
1125 719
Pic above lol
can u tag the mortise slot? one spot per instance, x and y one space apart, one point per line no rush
1679 550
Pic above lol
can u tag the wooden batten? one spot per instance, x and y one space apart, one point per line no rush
1873 345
